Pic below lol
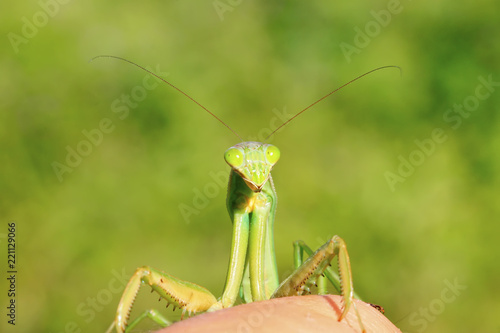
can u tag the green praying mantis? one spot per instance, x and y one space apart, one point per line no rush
252 273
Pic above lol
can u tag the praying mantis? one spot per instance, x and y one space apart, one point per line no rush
252 273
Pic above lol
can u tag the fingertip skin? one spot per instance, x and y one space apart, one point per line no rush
312 313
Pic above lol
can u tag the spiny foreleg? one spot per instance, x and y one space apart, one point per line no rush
305 276
187 296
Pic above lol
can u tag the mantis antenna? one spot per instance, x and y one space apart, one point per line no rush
322 98
170 84
223 123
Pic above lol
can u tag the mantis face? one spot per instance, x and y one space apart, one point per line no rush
253 161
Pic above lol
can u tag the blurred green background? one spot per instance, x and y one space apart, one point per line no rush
84 227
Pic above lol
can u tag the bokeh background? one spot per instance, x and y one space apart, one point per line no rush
151 187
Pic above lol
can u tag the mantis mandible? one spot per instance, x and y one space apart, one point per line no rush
252 273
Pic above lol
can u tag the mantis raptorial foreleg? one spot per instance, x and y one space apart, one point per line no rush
299 247
187 296
312 269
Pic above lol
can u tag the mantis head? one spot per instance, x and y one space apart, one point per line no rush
253 161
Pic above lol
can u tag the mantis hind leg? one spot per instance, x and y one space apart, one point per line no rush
151 314
314 267
187 296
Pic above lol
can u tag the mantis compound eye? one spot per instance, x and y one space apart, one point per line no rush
234 157
272 154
